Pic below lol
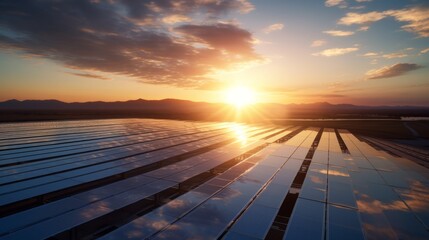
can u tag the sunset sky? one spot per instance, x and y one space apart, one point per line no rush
365 52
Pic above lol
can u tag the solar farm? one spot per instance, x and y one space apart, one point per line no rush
168 179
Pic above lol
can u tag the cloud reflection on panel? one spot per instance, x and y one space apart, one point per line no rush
385 213
197 225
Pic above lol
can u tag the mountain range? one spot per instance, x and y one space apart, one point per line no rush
143 104
182 109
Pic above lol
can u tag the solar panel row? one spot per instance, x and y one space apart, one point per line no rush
163 179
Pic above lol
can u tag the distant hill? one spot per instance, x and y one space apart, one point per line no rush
171 104
131 104
12 110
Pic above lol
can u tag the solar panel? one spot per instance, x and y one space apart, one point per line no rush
255 222
315 184
306 213
343 223
163 178
340 190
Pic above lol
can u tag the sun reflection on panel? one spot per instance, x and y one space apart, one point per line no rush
239 133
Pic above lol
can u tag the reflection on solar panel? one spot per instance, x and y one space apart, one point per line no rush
164 179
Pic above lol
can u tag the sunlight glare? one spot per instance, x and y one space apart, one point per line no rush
239 132
240 96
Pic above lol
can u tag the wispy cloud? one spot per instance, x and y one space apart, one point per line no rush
361 18
318 43
89 75
395 55
175 18
339 3
335 52
133 38
392 71
363 28
370 54
337 33
360 1
424 51
274 27
374 61
417 19
357 7
399 54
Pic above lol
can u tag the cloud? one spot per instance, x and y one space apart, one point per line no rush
417 19
175 18
243 6
274 27
335 52
424 51
337 33
370 54
222 37
89 75
132 38
361 18
357 7
392 71
395 55
399 54
360 1
318 43
339 3
363 28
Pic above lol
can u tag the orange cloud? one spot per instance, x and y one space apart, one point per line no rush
175 18
370 54
395 55
417 19
361 18
332 52
339 3
337 33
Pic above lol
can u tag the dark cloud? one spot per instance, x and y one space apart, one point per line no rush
214 8
89 75
221 36
392 71
129 37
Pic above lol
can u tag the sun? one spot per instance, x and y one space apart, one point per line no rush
240 96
